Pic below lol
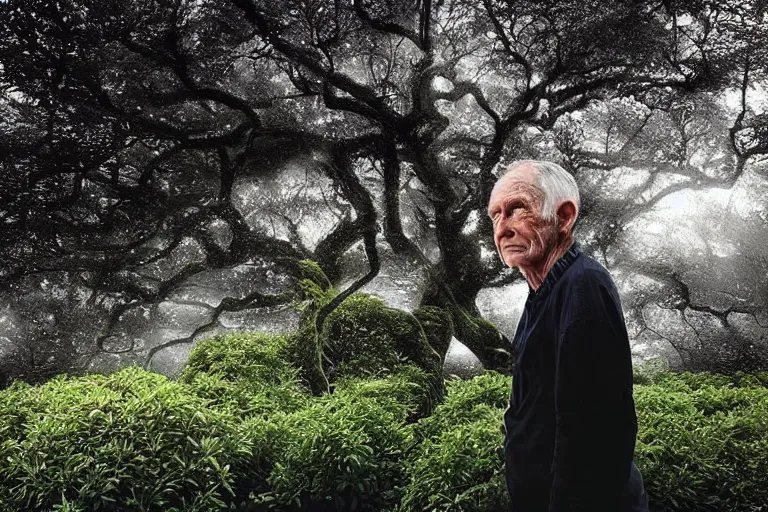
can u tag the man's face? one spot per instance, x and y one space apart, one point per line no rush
522 237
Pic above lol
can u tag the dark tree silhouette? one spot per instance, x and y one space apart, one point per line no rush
128 126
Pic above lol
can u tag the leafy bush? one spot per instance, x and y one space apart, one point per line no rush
688 381
749 380
245 372
265 441
240 433
245 398
405 392
341 453
703 449
132 439
491 389
700 447
460 468
246 357
454 460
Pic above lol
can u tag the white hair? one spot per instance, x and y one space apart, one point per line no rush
554 182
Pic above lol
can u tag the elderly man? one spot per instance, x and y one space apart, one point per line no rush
570 427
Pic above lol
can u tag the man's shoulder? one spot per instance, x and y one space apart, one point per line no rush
587 271
585 282
588 289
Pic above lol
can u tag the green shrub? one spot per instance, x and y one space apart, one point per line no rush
238 432
265 441
687 381
454 461
459 469
649 371
132 439
491 389
691 381
341 453
252 372
14 409
750 380
247 398
254 357
406 392
704 449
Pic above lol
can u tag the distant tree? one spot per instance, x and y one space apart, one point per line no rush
133 122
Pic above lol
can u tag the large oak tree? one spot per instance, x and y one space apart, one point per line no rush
128 125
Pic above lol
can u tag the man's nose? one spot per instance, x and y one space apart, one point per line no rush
505 229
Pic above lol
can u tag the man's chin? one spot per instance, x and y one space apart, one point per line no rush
515 258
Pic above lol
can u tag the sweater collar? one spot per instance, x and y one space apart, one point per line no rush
555 273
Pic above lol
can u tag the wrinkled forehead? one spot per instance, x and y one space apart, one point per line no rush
517 184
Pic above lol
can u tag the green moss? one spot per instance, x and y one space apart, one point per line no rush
438 327
484 340
314 290
363 338
356 342
311 298
304 351
311 271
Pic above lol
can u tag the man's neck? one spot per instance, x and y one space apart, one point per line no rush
536 275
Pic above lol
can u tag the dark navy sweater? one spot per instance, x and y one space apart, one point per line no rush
571 426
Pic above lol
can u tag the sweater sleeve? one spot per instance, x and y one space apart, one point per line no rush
596 424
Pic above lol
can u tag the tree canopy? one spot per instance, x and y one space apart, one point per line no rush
146 142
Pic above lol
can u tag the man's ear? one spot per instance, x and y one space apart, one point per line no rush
567 212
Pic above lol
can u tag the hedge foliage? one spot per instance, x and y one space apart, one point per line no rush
703 442
136 441
240 430
455 463
247 373
490 390
345 450
130 441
